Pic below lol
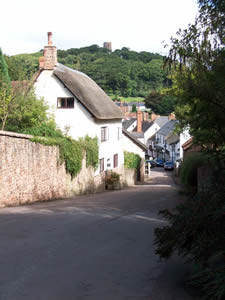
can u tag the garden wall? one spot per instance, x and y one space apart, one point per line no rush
32 172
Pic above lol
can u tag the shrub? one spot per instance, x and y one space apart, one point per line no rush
131 160
196 231
112 180
71 151
90 145
189 168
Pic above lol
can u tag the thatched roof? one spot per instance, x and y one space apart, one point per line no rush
88 93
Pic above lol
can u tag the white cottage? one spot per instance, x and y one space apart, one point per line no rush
80 107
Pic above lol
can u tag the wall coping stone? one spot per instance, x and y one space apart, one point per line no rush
16 135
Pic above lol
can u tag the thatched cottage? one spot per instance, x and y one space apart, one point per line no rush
80 106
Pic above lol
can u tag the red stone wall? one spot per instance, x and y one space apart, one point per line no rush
32 172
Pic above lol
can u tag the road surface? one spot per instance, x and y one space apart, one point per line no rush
97 247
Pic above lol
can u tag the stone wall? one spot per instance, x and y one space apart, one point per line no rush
32 172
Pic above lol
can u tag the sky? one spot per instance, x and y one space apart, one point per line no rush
141 25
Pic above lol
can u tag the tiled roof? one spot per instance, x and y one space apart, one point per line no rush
162 120
167 128
134 139
128 123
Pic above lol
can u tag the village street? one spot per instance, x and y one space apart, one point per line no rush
97 247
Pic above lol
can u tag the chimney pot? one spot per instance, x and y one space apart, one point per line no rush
139 121
50 55
49 38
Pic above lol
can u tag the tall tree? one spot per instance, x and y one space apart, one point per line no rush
6 97
200 79
196 227
4 75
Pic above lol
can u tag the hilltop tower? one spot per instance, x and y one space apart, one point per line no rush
107 45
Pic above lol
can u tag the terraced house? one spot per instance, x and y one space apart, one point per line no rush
80 107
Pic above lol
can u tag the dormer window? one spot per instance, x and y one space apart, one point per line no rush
67 102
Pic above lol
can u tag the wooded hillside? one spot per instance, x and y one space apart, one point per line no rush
121 72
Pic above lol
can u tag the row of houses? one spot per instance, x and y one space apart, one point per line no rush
158 134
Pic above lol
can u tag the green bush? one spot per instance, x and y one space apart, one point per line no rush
189 168
131 160
71 151
196 231
90 145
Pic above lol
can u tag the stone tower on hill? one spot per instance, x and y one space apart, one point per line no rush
107 45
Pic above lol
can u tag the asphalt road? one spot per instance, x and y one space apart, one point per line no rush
97 247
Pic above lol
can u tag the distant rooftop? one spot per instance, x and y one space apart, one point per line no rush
128 123
145 125
162 120
167 128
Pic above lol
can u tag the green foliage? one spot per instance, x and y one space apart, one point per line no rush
71 151
131 160
196 231
26 111
189 168
4 75
196 227
134 108
122 72
46 129
160 102
90 145
22 66
199 83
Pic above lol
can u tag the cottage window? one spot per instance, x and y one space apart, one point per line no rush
115 160
104 134
65 102
101 163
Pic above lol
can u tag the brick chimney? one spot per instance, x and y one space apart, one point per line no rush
49 60
154 117
172 116
139 121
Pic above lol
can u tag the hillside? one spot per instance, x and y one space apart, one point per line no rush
121 72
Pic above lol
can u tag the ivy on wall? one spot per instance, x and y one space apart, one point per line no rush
72 151
131 160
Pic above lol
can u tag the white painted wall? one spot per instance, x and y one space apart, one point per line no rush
184 137
78 120
150 132
130 146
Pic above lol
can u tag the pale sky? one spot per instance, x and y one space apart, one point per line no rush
141 25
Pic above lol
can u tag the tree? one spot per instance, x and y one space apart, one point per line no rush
26 111
134 108
199 82
6 97
196 227
4 75
160 102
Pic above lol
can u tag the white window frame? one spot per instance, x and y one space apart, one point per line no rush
104 134
59 105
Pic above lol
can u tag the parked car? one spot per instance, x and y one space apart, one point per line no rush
159 162
169 165
152 163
